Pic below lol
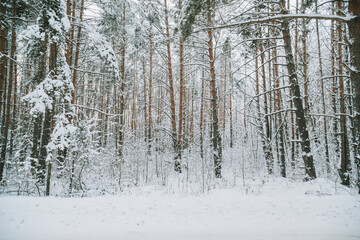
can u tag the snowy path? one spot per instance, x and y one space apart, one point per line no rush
221 215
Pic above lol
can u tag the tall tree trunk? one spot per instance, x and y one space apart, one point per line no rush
4 137
279 123
345 166
304 60
202 112
182 91
299 109
326 144
46 130
269 156
230 102
216 138
3 64
122 95
149 137
292 119
354 32
77 53
74 80
177 166
146 123
134 100
69 48
334 83
37 118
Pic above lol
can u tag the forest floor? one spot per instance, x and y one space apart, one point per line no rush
276 210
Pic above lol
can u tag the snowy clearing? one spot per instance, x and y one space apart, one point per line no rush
276 210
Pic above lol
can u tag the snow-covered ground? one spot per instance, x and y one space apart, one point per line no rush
277 210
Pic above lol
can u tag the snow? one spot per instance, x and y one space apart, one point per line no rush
275 210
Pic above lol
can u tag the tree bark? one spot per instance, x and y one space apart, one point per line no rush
300 114
4 137
46 130
354 32
177 166
122 97
267 138
216 138
149 137
326 144
3 64
182 90
345 166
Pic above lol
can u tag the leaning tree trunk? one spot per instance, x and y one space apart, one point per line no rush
297 99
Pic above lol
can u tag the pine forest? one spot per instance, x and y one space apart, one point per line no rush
189 97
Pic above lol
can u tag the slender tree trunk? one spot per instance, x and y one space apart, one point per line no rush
280 123
292 119
122 96
74 81
14 122
354 32
345 166
177 166
260 125
134 100
334 83
326 144
182 91
37 118
300 114
77 53
68 51
149 137
4 137
146 123
216 138
3 70
269 156
230 102
202 110
46 130
305 61
3 49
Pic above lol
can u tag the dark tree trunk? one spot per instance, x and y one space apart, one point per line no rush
4 137
297 99
46 130
345 166
3 64
354 31
37 118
